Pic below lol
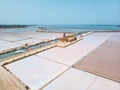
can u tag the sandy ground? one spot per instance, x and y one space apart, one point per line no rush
104 60
52 69
4 45
75 52
34 69
9 40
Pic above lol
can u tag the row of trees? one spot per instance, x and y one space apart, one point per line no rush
13 26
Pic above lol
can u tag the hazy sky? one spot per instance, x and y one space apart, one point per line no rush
59 11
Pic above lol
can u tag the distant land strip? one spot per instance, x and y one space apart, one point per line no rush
13 26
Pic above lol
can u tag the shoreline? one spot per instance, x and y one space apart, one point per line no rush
108 31
58 31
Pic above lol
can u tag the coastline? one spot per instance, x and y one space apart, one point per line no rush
108 31
65 28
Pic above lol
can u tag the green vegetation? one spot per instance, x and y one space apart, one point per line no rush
13 26
42 28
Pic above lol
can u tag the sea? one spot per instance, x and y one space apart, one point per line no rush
67 28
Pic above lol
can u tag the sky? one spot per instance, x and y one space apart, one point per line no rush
54 12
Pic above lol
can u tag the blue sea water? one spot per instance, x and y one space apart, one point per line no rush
79 28
68 28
